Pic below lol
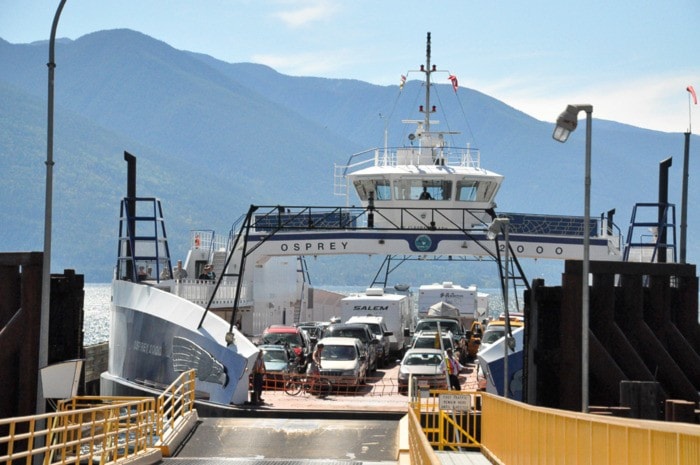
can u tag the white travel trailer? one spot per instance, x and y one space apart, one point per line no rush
395 309
472 305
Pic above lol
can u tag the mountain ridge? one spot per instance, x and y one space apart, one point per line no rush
214 137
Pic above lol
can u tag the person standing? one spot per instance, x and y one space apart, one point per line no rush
208 273
314 368
258 378
453 368
180 272
165 273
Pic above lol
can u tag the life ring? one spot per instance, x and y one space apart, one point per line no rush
197 241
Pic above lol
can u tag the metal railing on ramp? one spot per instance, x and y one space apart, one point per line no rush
102 430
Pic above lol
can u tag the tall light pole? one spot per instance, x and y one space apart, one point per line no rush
566 123
499 225
46 266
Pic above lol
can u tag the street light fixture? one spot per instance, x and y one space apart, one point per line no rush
566 123
501 225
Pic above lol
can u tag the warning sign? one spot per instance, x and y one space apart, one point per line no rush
458 402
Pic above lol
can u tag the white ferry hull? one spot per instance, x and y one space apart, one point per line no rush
154 337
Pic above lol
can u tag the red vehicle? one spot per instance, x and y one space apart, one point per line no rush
296 339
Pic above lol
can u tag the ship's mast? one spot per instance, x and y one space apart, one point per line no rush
427 72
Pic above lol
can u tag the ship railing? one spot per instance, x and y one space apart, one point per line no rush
206 240
413 155
199 291
272 218
276 218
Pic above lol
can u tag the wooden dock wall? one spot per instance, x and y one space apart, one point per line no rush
96 360
643 327
20 320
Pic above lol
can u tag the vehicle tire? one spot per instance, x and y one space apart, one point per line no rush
293 385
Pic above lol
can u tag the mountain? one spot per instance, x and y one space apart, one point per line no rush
212 138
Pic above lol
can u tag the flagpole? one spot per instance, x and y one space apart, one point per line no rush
691 93
690 125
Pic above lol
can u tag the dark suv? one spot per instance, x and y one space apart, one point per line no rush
359 331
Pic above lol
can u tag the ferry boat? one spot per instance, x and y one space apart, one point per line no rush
426 198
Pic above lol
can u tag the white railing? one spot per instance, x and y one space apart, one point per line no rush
199 291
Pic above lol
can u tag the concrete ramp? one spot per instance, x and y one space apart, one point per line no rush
279 441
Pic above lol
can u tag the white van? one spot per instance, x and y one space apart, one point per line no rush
342 361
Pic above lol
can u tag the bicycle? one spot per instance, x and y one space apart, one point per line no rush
313 384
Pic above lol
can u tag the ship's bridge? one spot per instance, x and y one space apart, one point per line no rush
421 179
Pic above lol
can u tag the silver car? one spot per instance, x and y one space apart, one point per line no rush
423 365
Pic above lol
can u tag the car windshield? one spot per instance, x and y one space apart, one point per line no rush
293 339
333 353
359 333
430 325
270 355
422 359
375 328
312 330
492 335
429 343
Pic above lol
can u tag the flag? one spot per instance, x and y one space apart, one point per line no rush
455 84
403 81
692 92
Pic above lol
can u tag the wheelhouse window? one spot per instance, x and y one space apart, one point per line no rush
466 190
380 189
474 191
419 189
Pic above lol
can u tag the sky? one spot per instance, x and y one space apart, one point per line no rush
631 59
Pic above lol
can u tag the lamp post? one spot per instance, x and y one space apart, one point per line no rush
46 265
497 226
566 123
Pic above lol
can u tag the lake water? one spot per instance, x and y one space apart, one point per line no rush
96 306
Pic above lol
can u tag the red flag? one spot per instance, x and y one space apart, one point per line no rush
403 81
692 92
455 84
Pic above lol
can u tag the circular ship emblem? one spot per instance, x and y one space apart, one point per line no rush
423 242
